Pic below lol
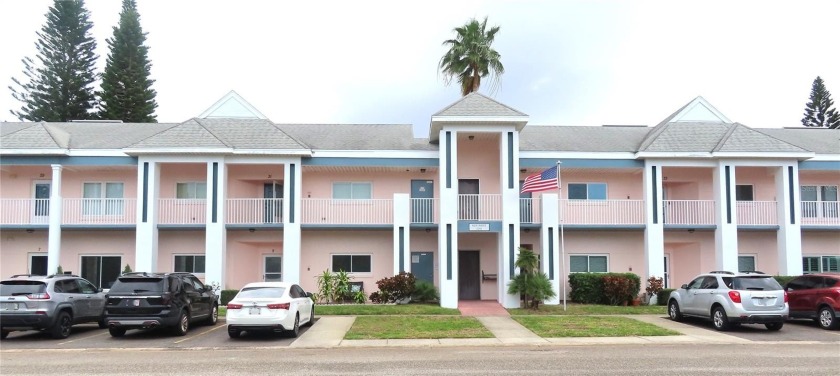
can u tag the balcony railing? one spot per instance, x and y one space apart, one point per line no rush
480 207
179 211
602 212
347 212
756 212
99 211
822 213
425 210
689 212
24 211
530 210
254 211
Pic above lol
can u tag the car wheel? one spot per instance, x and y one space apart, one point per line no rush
296 328
62 326
214 316
4 334
774 326
674 311
719 319
311 317
234 333
183 324
116 332
827 318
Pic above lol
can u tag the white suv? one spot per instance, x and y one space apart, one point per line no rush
730 299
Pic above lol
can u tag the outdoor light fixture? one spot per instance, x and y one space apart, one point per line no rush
471 137
252 229
423 170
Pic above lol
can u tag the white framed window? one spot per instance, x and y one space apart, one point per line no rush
101 270
352 190
819 201
352 263
102 198
587 191
746 263
191 190
820 264
189 264
744 192
588 264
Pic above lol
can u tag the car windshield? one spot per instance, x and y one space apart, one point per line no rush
760 283
12 288
261 292
136 285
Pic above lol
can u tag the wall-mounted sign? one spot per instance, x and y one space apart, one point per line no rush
479 227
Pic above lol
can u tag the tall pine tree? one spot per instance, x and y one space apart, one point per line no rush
819 111
127 92
58 87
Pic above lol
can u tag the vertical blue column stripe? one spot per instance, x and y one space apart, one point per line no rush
728 195
145 192
449 251
511 250
655 191
551 253
215 200
402 248
510 160
292 177
448 159
791 196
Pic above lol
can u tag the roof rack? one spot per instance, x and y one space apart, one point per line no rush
145 274
753 272
26 275
61 275
720 272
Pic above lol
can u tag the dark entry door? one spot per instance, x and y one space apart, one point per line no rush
468 189
421 266
526 212
469 275
273 207
422 208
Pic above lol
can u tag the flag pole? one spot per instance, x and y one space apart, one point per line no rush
562 238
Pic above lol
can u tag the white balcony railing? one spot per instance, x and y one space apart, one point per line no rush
756 212
24 211
179 211
480 207
689 212
821 213
347 212
99 211
254 211
530 210
425 210
602 212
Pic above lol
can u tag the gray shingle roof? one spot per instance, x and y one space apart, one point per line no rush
189 134
583 139
476 104
32 136
250 133
712 137
357 136
818 140
742 139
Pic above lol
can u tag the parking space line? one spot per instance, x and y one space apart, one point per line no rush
201 334
76 339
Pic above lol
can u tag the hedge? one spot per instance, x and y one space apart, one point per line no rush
662 296
604 288
227 296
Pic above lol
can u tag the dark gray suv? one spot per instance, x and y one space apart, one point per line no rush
51 303
159 300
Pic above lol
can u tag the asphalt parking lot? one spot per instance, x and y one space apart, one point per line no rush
795 330
89 336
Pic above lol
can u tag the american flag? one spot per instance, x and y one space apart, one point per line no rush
543 181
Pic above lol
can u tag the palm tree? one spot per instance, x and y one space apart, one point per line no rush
471 57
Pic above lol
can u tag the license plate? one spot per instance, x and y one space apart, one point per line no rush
10 307
254 311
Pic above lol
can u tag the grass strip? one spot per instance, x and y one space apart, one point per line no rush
590 326
416 327
383 309
591 309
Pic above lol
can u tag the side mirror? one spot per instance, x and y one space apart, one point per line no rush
684 287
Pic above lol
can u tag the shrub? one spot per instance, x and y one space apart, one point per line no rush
618 289
533 287
396 288
425 292
374 297
783 279
589 288
227 296
654 286
586 288
662 296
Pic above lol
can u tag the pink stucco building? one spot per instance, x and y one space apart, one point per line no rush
236 198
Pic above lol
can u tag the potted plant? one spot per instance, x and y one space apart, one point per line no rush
654 286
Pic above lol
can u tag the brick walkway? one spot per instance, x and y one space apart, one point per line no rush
481 308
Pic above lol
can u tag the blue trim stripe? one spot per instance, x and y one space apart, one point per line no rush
728 195
402 249
399 162
820 165
791 196
291 199
510 159
610 163
449 251
655 192
145 192
551 253
448 159
511 250
68 161
214 203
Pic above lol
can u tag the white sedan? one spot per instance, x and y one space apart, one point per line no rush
278 307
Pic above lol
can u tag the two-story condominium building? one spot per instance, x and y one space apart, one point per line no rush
236 198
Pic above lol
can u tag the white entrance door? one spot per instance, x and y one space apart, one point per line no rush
272 268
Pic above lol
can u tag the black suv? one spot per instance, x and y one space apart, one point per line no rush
154 300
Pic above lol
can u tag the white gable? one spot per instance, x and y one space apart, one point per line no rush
232 106
700 111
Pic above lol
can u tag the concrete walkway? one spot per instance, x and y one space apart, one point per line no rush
329 331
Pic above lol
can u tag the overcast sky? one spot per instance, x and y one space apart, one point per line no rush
566 62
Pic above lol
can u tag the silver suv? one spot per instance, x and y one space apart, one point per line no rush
730 299
51 303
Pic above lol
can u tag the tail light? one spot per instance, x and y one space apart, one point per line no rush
234 306
41 296
279 306
786 297
736 296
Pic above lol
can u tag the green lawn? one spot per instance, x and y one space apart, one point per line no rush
383 309
590 326
591 309
223 311
402 327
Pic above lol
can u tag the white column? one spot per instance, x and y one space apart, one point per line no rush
54 236
509 247
448 230
146 241
215 235
654 224
789 214
292 193
726 218
402 223
551 244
